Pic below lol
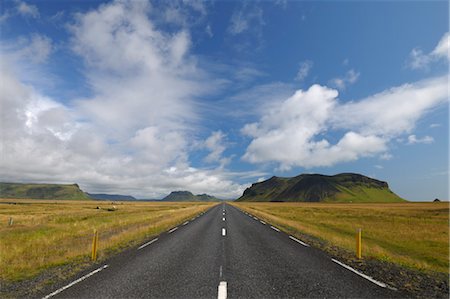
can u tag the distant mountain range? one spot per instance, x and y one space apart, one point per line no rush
42 191
344 187
188 196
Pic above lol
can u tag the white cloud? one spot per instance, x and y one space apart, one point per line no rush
293 134
420 60
341 83
27 10
412 139
39 49
394 111
137 124
378 166
215 144
304 69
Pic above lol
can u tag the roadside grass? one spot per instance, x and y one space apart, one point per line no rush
48 233
415 235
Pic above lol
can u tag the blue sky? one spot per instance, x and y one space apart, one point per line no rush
143 98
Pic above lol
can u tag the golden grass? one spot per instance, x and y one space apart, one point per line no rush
411 234
47 233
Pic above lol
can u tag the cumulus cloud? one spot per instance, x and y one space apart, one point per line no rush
304 69
133 133
420 60
293 134
341 83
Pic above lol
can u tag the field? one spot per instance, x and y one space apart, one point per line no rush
415 235
45 233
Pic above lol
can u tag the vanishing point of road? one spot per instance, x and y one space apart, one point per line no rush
223 253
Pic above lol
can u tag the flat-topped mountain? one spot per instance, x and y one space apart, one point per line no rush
344 187
188 196
41 191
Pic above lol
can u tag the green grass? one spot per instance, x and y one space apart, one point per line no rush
47 234
415 235
42 191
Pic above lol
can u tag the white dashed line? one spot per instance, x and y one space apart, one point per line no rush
274 228
224 232
173 229
223 219
262 222
148 243
298 241
222 290
255 218
378 283
81 279
186 223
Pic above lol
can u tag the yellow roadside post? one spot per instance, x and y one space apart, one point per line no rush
94 245
358 243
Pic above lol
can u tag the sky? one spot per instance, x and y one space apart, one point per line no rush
146 97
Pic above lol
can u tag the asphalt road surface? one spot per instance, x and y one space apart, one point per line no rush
224 253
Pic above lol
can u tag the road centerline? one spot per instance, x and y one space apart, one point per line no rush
222 290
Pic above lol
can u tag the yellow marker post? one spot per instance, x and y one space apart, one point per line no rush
358 243
94 245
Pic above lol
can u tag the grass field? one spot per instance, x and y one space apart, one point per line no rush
47 233
415 235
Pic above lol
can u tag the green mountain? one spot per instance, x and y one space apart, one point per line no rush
344 187
41 191
188 196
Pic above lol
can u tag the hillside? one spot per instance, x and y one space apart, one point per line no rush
42 191
188 196
344 187
102 196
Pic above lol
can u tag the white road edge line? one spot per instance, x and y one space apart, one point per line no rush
173 229
378 283
148 243
222 290
262 222
274 228
224 232
186 223
75 282
298 241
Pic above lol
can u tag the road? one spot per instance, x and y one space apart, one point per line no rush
223 253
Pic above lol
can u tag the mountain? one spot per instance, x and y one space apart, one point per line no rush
344 187
41 191
188 196
102 196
